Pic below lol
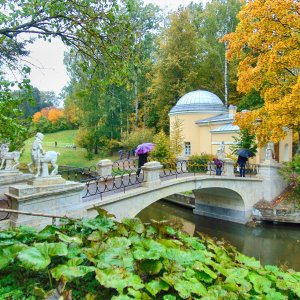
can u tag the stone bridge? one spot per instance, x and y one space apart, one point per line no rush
226 197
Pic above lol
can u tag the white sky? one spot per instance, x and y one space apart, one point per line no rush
49 72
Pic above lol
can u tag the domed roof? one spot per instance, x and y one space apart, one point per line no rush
199 101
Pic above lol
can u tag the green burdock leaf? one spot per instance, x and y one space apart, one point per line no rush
34 259
134 293
192 242
48 232
68 273
99 223
115 252
150 267
169 297
260 283
134 224
184 258
170 243
186 288
38 257
236 280
155 286
118 279
202 268
274 295
221 255
8 254
250 262
151 231
96 236
104 213
69 239
148 249
121 297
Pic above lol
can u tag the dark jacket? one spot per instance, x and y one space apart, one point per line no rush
242 160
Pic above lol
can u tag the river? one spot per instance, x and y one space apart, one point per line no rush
275 244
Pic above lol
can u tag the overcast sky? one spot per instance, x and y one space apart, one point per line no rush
50 73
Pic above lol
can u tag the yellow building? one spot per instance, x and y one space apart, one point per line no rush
206 123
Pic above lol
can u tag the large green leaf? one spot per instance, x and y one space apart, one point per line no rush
184 257
69 239
150 267
148 249
155 286
260 283
68 273
186 288
118 279
250 262
134 224
8 254
38 257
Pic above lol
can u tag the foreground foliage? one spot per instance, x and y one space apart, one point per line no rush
103 259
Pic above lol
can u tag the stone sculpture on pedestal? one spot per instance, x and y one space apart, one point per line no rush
40 158
9 159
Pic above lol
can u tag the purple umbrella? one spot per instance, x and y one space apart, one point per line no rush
144 148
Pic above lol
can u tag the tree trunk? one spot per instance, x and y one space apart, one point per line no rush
136 96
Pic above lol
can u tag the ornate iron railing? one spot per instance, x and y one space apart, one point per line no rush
78 174
111 184
250 170
4 203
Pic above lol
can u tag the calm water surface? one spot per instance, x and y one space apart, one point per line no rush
276 244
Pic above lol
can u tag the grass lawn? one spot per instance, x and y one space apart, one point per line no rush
68 156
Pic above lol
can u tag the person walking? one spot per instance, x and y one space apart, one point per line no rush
142 160
242 164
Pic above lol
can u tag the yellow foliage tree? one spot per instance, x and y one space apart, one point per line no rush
267 43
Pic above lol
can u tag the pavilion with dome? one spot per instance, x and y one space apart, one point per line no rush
207 122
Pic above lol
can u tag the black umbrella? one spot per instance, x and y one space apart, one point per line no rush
245 153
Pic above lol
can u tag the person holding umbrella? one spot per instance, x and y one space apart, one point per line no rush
142 151
243 155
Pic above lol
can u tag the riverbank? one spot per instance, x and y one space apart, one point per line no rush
285 209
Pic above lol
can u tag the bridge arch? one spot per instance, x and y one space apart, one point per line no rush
235 193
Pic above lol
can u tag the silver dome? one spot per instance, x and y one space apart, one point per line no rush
198 101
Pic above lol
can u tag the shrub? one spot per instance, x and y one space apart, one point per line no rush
198 163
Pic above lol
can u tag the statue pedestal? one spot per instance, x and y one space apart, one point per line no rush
50 195
8 178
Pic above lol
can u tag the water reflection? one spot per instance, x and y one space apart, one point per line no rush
277 244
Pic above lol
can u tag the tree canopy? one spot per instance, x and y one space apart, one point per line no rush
266 41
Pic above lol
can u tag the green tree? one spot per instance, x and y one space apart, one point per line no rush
161 151
136 137
244 140
177 66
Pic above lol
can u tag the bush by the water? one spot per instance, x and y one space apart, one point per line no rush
103 259
198 163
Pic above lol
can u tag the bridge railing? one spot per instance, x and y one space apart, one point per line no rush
250 170
111 183
177 167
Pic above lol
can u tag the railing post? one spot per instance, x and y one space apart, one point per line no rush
273 183
228 167
151 173
104 167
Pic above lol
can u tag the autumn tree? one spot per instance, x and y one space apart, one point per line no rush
176 137
266 42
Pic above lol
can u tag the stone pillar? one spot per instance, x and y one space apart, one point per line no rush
104 167
228 167
52 196
273 183
151 173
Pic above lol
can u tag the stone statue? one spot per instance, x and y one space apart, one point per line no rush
40 157
269 155
9 157
221 151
